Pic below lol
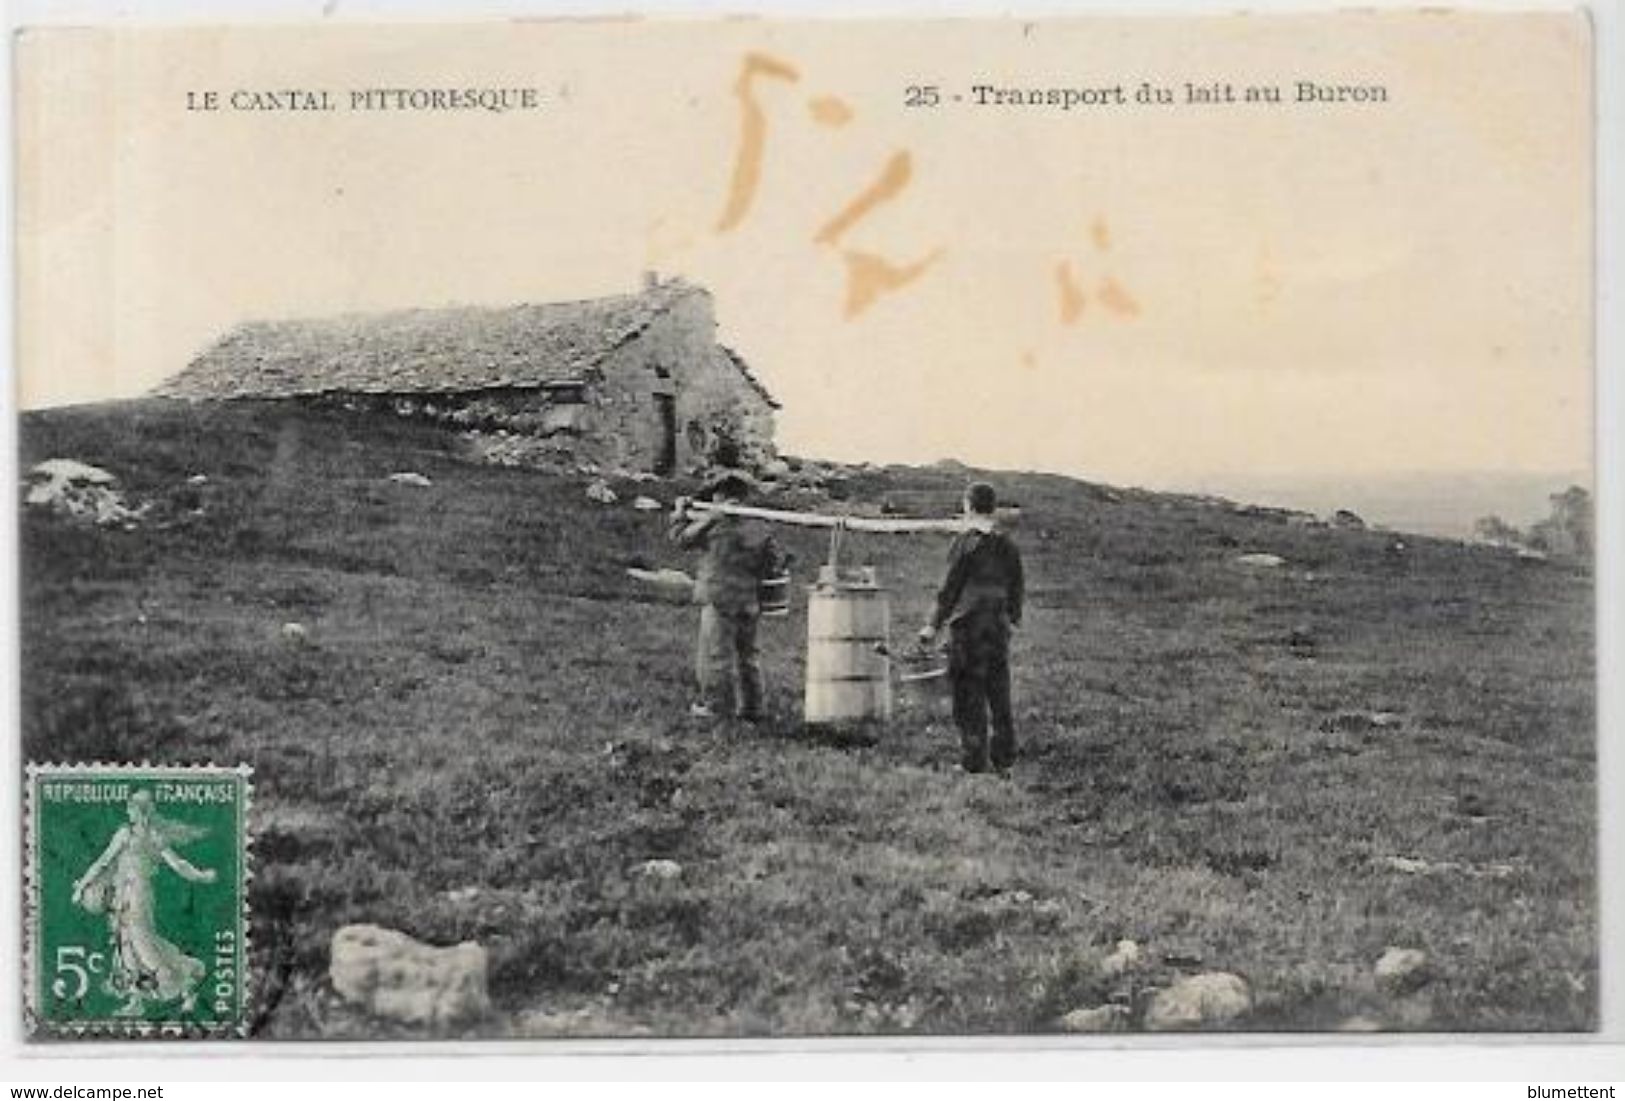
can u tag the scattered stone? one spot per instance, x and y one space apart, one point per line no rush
1182 957
1260 561
1211 998
1124 958
1402 969
674 584
1102 1018
72 470
81 492
393 976
600 492
1416 866
410 478
1360 722
1410 865
666 870
295 632
1360 1023
198 480
502 448
462 895
647 504
289 832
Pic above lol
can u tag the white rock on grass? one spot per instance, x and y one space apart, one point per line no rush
1260 561
1402 968
647 504
295 632
72 470
1124 958
395 977
81 491
1102 1018
600 492
674 584
410 478
660 869
1212 998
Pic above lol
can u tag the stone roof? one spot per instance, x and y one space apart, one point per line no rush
750 376
427 350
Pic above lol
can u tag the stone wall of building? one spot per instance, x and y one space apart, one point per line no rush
715 406
718 415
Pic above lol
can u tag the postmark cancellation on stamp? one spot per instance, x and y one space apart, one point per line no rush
137 900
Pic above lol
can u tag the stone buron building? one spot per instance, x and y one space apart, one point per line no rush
634 381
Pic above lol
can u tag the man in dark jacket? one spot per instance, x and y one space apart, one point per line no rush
979 602
737 554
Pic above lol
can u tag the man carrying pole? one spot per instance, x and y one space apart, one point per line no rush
979 602
737 554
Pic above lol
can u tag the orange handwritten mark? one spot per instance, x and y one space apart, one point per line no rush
869 276
1101 233
1072 296
893 178
1116 299
831 111
747 172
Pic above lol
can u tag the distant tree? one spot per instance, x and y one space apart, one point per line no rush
1493 529
1569 531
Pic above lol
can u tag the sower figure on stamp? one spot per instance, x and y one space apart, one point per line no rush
145 965
738 554
979 602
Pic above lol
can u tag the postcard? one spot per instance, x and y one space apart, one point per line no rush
778 528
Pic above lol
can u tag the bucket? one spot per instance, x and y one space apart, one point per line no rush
923 671
773 596
922 674
848 673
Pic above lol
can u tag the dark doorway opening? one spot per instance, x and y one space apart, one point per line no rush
666 448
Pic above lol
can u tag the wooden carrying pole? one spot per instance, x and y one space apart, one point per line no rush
880 524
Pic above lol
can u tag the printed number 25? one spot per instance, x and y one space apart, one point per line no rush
921 95
76 961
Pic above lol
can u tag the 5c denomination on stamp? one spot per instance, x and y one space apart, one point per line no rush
137 900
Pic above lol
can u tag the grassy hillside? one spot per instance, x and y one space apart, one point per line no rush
480 733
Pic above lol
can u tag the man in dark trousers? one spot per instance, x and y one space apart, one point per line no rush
736 555
980 601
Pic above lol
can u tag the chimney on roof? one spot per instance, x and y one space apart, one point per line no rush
651 280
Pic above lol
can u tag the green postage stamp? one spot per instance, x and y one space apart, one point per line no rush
137 900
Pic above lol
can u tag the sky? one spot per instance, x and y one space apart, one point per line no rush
1173 295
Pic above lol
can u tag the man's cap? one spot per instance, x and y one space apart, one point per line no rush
982 498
